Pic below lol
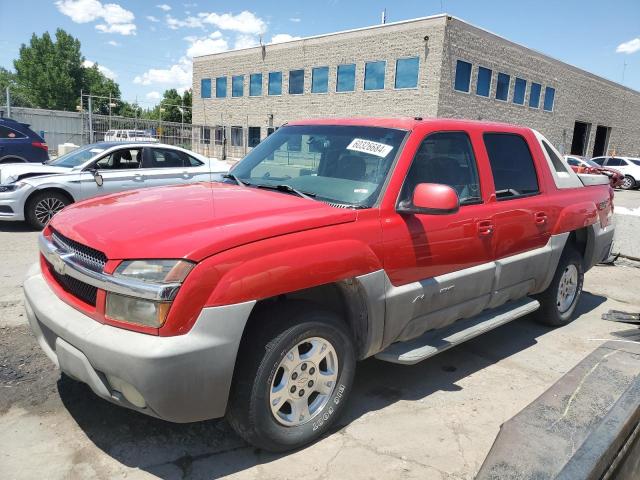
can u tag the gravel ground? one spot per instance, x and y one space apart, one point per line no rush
436 419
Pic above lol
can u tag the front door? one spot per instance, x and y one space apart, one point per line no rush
120 171
439 266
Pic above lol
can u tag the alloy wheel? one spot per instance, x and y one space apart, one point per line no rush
568 288
46 208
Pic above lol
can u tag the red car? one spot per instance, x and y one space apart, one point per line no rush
330 242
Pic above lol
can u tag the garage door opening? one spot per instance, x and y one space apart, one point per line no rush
601 143
580 139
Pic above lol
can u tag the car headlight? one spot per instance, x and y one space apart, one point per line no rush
12 187
139 310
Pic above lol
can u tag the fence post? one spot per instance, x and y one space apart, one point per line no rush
90 120
8 103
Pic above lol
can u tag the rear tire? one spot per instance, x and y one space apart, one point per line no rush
628 183
42 206
297 355
558 302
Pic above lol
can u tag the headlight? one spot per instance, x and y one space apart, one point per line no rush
12 187
155 271
136 310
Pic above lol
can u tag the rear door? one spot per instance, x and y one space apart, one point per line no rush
165 166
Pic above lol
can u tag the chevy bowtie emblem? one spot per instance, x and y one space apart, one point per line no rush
58 264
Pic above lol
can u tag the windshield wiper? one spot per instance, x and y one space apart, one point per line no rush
231 176
289 189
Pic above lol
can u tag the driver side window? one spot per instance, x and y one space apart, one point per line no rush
123 159
445 158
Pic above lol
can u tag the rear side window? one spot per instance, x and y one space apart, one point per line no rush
514 173
599 160
161 158
10 133
555 160
615 162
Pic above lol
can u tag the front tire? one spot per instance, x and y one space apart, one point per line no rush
42 206
558 302
628 183
293 375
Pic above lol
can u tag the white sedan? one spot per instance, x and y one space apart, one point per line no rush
36 192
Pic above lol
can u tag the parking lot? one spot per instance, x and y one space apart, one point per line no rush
436 419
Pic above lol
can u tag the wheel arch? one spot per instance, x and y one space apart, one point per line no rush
38 191
17 159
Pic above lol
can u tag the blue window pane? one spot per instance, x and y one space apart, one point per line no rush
205 88
255 85
549 96
534 95
463 76
407 72
237 86
346 78
484 81
374 75
502 87
275 83
519 91
296 82
320 80
221 87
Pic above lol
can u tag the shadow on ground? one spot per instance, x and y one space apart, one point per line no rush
171 450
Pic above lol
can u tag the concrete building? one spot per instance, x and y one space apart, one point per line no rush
437 66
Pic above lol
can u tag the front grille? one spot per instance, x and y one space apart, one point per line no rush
86 256
85 292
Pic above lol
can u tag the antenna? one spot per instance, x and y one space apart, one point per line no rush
624 69
384 16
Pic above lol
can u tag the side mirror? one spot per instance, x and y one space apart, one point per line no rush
98 178
432 199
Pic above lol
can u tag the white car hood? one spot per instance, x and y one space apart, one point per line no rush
10 173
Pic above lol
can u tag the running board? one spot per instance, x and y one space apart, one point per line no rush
436 341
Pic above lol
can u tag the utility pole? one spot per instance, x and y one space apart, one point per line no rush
8 103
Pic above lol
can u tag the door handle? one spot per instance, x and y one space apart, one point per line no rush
485 228
541 218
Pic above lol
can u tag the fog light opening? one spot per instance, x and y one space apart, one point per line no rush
128 391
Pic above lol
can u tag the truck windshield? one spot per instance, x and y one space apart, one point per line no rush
76 157
345 165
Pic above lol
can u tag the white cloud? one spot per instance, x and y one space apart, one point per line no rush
632 46
245 41
283 37
153 19
113 43
164 7
214 43
244 22
116 19
177 76
107 72
294 20
189 22
153 95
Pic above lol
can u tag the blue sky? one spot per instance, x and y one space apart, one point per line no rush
147 45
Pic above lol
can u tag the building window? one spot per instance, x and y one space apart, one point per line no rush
255 85
374 75
549 96
534 95
346 78
205 88
205 134
296 82
519 91
483 85
502 86
463 76
275 83
237 86
511 165
221 87
236 137
407 72
254 136
219 135
320 80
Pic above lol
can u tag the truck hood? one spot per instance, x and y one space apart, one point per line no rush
12 172
190 221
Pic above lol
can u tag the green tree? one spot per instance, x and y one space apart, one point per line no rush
19 97
176 107
51 72
95 83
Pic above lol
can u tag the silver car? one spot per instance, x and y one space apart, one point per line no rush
36 192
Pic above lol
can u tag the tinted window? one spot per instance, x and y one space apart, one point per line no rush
514 173
407 72
164 158
484 81
219 135
320 80
519 91
346 78
374 75
221 87
599 160
124 159
502 87
534 95
237 86
275 83
615 162
206 135
255 85
236 137
192 161
634 161
573 162
549 96
555 159
254 136
463 76
205 88
296 82
446 158
10 133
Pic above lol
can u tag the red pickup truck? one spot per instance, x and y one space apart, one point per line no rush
330 242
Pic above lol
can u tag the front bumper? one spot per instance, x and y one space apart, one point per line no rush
11 206
183 378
